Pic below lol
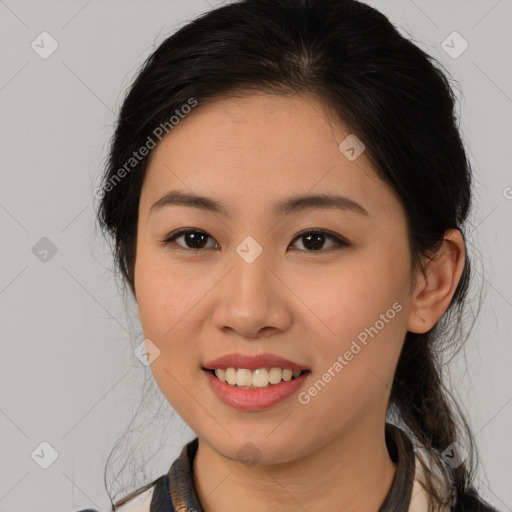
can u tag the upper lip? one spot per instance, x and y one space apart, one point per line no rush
252 362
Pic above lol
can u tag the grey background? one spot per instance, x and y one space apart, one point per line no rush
68 375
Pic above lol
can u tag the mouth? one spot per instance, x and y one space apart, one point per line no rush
260 378
254 382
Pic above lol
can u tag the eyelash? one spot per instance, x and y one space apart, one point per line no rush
328 235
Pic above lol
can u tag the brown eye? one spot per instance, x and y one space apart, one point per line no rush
193 239
315 240
312 241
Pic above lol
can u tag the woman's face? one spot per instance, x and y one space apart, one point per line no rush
249 278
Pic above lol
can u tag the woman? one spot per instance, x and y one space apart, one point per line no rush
287 193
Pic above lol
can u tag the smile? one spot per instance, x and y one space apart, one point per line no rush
260 378
254 398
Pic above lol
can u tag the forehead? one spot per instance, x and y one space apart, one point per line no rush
256 147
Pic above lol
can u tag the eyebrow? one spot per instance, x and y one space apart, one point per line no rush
286 207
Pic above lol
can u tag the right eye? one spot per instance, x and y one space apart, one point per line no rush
194 239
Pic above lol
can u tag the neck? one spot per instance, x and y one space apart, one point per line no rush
353 473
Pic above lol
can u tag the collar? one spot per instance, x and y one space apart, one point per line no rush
175 492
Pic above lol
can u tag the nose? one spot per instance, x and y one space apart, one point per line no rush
253 299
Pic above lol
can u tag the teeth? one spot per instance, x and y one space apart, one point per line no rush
230 376
260 378
274 375
287 375
243 377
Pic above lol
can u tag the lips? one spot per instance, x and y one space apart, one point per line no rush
256 397
252 362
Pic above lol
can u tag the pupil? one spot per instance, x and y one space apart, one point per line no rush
316 240
195 237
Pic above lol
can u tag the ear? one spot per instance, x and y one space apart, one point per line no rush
436 283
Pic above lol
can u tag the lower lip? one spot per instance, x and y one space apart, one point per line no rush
254 399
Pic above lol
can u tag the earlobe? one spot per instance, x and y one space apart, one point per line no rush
437 283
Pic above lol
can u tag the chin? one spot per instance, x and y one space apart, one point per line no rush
251 449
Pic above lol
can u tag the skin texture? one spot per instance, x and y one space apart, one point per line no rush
308 306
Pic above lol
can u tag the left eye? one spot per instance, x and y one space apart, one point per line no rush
313 240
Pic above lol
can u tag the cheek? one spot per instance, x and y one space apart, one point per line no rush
362 307
165 301
355 367
165 293
366 330
349 297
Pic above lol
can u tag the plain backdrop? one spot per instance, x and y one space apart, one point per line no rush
69 381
